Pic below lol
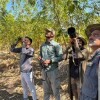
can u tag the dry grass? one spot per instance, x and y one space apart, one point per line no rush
10 84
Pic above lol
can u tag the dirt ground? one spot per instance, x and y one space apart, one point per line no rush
10 84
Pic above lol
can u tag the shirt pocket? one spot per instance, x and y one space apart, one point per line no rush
88 69
51 50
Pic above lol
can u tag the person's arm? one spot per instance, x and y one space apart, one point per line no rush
13 46
81 54
58 57
99 81
14 49
40 54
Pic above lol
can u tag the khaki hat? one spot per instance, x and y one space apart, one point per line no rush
83 40
50 30
91 28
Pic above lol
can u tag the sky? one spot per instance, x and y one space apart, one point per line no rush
9 8
9 5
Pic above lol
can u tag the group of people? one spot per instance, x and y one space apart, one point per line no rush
83 67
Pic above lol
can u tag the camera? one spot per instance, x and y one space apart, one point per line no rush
42 65
71 32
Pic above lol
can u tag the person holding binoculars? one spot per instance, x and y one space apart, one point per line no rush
26 54
76 54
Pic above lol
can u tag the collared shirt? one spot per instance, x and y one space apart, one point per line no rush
51 51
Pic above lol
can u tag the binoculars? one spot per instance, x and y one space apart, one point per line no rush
71 32
43 65
19 38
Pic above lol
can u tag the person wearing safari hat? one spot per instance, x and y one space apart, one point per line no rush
90 88
76 53
50 54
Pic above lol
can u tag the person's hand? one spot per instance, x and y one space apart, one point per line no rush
72 40
46 62
39 58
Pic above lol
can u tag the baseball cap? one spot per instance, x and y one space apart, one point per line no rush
50 30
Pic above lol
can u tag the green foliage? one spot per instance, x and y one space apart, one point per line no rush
31 17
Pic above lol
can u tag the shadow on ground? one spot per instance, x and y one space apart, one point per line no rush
4 95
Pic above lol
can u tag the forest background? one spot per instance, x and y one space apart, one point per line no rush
30 18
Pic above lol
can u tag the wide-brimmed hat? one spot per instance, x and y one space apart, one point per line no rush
50 30
83 40
91 28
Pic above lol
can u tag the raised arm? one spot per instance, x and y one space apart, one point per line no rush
13 46
14 49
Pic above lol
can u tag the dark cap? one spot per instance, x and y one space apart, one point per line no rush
50 30
29 39
83 40
91 28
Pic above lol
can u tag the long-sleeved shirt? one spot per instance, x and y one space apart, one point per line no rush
90 83
76 62
51 51
26 55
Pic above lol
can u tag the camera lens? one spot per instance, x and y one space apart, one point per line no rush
71 32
